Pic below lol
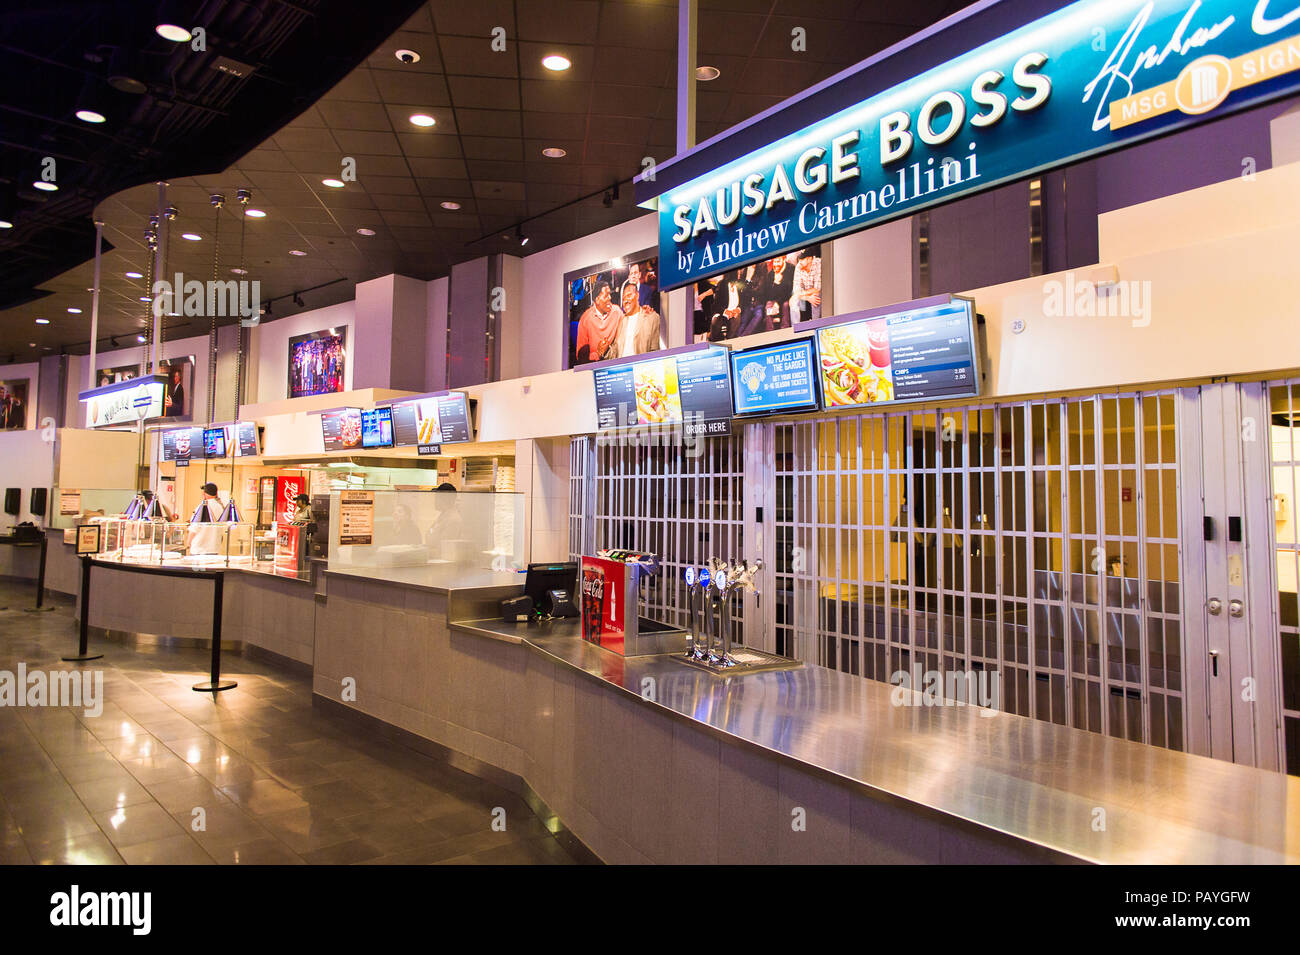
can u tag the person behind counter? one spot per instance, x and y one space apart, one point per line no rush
405 530
302 509
204 536
449 525
147 510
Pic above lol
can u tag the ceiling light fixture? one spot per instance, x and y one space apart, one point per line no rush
519 234
707 73
332 183
191 236
365 232
297 300
255 213
238 271
74 311
145 298
556 63
422 119
6 224
297 252
554 152
450 206
44 186
42 321
90 116
140 339
134 275
170 31
407 56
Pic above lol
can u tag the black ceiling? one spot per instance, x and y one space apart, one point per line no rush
328 85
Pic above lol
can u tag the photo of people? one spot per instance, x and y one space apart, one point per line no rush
615 311
317 362
762 297
111 376
13 405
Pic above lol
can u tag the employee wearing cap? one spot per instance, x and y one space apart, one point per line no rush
204 533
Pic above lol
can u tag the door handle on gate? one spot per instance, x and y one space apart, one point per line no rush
1215 606
1214 662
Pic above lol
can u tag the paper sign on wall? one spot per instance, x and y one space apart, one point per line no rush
356 517
69 502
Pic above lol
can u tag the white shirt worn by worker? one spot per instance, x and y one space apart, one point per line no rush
205 537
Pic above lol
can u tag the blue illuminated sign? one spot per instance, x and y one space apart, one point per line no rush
1090 78
778 378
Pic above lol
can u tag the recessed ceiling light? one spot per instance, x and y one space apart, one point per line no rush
44 186
365 232
554 152
332 183
6 224
140 338
145 298
450 206
297 252
255 213
42 321
89 116
239 271
422 119
191 236
31 344
407 56
169 31
556 63
74 311
706 73
134 275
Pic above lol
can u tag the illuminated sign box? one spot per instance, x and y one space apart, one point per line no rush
125 402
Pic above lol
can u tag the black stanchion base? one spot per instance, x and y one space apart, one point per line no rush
37 609
83 657
211 687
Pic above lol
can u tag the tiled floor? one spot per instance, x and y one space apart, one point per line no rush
276 782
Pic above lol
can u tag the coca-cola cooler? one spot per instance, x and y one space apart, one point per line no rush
610 606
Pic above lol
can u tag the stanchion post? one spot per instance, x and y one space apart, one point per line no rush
215 684
40 578
83 647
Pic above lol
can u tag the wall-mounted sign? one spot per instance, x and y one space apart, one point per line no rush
918 354
88 539
124 402
1092 77
69 501
776 379
433 419
428 450
356 517
341 430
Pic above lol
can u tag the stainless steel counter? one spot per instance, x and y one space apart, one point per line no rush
1072 792
434 577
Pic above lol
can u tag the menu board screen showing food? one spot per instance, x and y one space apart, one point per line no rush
214 442
182 444
245 442
922 354
776 379
444 419
341 429
377 428
695 388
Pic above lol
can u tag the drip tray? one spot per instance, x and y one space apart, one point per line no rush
747 661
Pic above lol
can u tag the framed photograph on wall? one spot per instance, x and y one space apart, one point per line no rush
178 399
614 309
317 362
14 395
777 293
111 376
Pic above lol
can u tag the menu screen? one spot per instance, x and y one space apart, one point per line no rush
182 444
694 389
214 442
444 419
341 429
775 379
377 428
246 439
910 356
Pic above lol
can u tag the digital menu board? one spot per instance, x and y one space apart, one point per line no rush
442 419
377 428
917 355
341 429
693 389
775 379
182 444
245 439
214 442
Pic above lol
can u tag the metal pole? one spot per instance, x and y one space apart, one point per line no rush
94 306
215 684
83 646
160 275
687 18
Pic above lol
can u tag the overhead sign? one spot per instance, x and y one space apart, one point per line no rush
1092 77
124 402
775 379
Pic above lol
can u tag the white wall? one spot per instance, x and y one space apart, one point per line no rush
270 344
26 461
31 372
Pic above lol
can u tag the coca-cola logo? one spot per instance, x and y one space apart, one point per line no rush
593 584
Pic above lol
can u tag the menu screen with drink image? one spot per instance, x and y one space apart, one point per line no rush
921 354
694 387
214 442
377 428
341 429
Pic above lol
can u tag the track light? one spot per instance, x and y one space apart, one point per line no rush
614 192
607 200
113 340
297 300
520 237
